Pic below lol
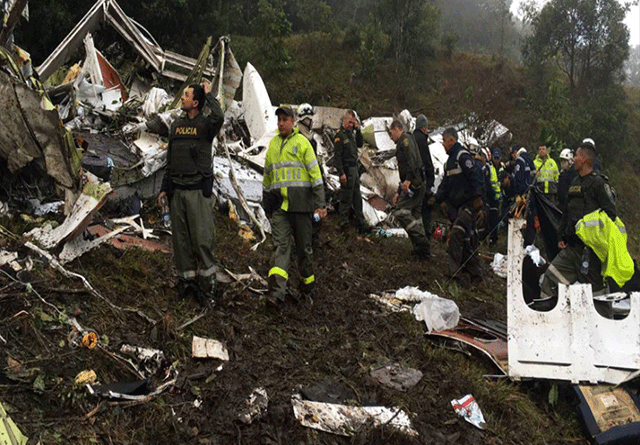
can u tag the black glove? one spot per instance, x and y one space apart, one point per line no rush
207 186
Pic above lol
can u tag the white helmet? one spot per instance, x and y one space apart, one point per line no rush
305 110
589 141
566 154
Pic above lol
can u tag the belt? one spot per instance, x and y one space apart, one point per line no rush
187 186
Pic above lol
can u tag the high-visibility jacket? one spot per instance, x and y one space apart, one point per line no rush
608 240
495 185
292 174
548 175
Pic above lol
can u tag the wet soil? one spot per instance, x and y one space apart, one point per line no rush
339 336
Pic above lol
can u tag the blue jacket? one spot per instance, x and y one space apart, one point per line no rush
523 173
462 182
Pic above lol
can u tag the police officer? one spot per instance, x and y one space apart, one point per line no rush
412 188
547 174
421 136
188 184
588 192
461 188
493 198
293 192
345 144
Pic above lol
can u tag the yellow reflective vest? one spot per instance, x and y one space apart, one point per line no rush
495 185
608 239
548 175
291 171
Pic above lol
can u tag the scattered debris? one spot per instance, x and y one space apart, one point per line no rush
469 410
208 348
348 420
86 377
151 360
10 434
396 377
610 414
499 265
438 313
256 406
488 337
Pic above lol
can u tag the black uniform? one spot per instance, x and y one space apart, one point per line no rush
524 172
345 157
461 187
564 181
422 140
188 181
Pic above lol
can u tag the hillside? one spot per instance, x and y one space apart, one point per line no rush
339 337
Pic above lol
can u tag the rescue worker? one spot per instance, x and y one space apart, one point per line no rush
547 174
421 136
304 115
188 184
493 199
411 190
523 175
566 176
293 192
576 262
345 144
461 188
480 158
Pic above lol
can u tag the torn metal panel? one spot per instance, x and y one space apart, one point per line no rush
109 11
91 199
259 113
572 341
30 130
347 420
490 341
249 180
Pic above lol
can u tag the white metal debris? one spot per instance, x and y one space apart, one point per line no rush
208 348
572 341
347 420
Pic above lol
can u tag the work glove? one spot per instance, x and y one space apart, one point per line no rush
444 208
478 205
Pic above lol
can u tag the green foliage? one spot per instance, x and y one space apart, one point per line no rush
448 41
271 27
374 44
412 26
588 37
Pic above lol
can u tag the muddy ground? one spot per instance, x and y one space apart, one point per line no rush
339 337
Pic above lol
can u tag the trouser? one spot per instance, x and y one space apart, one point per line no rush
193 231
565 269
493 220
426 215
463 244
283 225
350 198
409 214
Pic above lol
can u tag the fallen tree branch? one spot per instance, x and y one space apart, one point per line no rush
57 266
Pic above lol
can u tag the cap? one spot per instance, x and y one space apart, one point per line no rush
285 110
497 152
422 121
